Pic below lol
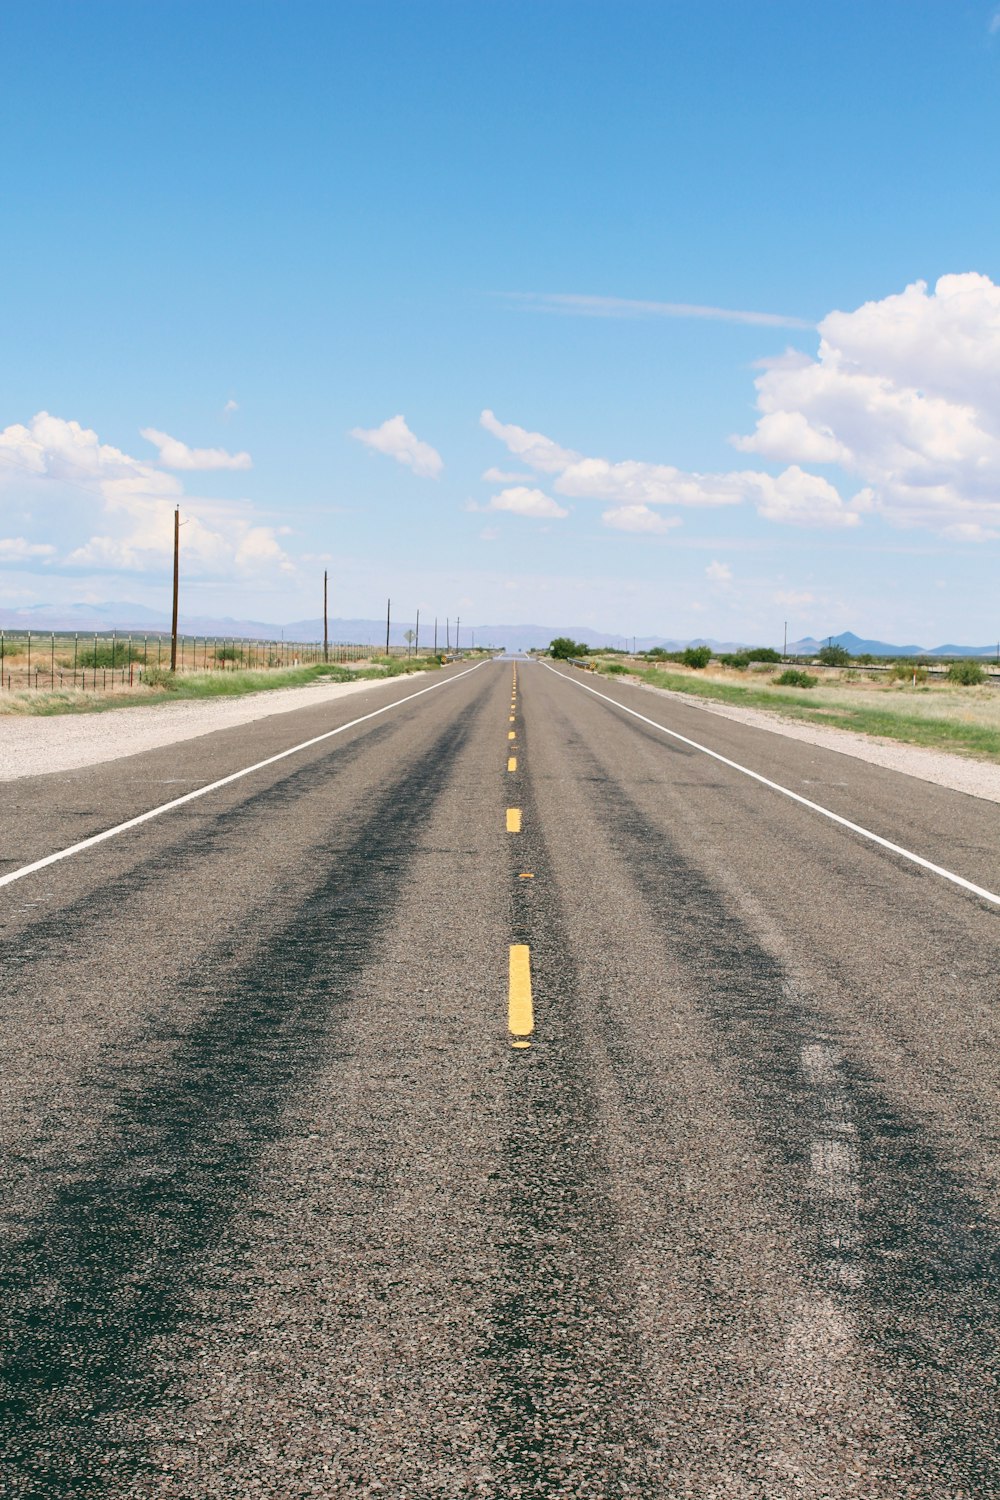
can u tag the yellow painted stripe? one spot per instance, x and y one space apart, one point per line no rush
520 1013
513 820
511 734
512 763
511 719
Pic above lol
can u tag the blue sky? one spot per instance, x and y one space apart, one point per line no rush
235 234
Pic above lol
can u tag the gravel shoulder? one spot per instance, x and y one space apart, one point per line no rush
960 774
66 742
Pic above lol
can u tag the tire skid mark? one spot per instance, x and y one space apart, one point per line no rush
569 1400
100 1283
904 1256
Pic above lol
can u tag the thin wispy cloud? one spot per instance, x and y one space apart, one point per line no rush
573 304
994 27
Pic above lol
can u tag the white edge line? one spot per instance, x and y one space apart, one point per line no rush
866 833
213 786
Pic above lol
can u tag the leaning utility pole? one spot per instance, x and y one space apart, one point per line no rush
388 607
326 632
177 560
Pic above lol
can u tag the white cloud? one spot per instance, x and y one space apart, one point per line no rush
637 518
19 549
503 476
633 486
904 395
792 598
490 534
520 501
396 440
626 307
719 572
536 449
230 407
177 455
994 26
77 479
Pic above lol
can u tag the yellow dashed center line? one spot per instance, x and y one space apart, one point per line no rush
511 734
512 763
520 1013
513 820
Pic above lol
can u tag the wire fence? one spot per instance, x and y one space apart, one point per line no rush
98 662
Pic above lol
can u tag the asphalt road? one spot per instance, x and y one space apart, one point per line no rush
305 1194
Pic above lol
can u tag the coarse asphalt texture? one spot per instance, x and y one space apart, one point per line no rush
288 1210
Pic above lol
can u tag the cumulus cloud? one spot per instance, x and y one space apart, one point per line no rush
19 549
521 501
536 449
903 395
177 455
396 440
634 486
637 518
81 479
719 572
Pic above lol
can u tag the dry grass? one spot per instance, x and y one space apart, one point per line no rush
940 715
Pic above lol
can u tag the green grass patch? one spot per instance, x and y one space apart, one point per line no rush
163 686
961 737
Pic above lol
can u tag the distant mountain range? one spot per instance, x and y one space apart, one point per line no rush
139 619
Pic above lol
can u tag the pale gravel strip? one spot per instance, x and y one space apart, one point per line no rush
975 777
66 742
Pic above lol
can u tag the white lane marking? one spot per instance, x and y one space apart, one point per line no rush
866 833
213 786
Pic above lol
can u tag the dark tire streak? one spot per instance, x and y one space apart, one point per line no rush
927 1302
103 1276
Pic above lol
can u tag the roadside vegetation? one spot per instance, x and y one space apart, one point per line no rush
959 713
159 685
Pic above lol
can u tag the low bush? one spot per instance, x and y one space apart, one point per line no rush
697 657
794 678
834 656
564 649
108 654
613 668
763 653
907 671
966 673
739 660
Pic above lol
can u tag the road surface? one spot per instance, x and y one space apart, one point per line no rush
492 1093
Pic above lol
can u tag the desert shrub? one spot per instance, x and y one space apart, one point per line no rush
966 673
613 668
697 657
834 656
763 653
108 654
794 678
563 649
907 671
736 659
227 653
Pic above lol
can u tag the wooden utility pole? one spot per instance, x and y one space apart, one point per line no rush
326 632
388 608
436 638
447 633
177 563
416 649
458 624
